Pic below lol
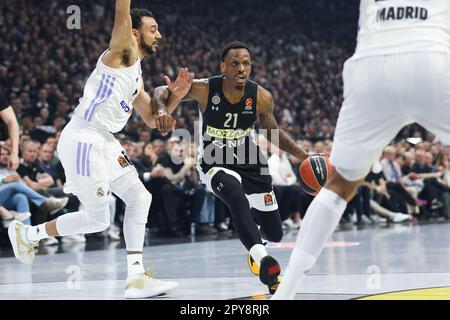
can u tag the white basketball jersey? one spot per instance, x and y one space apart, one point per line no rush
109 94
398 26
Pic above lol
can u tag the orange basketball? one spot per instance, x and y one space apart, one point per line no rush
314 172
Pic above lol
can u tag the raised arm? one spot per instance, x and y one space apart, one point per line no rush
273 133
122 41
121 34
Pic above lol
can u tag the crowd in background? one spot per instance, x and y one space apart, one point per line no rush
298 51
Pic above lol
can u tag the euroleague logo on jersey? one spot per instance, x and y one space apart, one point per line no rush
248 106
268 199
125 107
124 160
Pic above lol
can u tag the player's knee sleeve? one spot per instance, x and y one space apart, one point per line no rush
97 219
138 201
89 220
94 217
136 197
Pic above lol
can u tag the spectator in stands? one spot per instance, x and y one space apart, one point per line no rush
29 169
46 156
286 191
178 168
164 200
408 162
381 201
7 216
406 196
433 190
202 204
16 195
9 118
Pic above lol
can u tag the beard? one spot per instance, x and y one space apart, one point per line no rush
146 48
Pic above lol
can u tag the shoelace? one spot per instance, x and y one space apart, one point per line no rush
149 273
31 247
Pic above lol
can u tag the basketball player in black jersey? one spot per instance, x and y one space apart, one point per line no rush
230 163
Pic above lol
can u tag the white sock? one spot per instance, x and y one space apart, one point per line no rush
37 233
321 219
258 251
135 264
292 277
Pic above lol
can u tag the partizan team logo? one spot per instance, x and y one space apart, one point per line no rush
215 99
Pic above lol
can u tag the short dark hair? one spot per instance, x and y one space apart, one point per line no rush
233 45
137 15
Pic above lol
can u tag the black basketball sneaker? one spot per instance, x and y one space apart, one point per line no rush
269 273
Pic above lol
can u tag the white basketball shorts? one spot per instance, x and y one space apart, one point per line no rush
91 158
382 94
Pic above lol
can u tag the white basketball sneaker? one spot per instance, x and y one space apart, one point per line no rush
22 247
400 217
144 286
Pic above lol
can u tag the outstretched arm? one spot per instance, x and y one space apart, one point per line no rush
167 98
143 105
272 132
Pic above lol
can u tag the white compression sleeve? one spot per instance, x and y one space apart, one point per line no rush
321 219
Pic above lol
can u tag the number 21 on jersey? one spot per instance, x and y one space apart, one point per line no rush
230 117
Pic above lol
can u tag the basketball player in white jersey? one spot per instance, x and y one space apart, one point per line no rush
399 74
93 159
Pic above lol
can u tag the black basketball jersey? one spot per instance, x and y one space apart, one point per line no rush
228 137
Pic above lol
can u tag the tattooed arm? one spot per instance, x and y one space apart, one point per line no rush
275 135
